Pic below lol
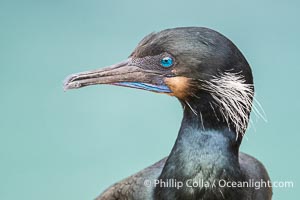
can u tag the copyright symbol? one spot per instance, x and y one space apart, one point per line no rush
147 183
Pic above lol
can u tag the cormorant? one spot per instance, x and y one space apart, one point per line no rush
213 82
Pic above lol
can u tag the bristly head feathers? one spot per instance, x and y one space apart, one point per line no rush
232 97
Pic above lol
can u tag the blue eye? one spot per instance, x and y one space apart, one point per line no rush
166 61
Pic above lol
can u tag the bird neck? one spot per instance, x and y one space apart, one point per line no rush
201 154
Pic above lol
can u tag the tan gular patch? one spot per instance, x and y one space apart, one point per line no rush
179 86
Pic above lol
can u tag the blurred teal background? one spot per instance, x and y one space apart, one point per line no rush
72 145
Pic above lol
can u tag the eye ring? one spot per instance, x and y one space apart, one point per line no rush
166 61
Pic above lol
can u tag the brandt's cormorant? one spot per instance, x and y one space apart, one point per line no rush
213 82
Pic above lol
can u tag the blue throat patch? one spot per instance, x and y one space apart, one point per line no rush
145 86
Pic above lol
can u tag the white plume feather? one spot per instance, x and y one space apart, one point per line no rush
233 97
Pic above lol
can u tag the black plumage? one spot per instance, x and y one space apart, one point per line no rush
214 83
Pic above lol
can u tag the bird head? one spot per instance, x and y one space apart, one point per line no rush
199 66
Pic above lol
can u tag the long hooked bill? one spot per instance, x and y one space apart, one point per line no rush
121 74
